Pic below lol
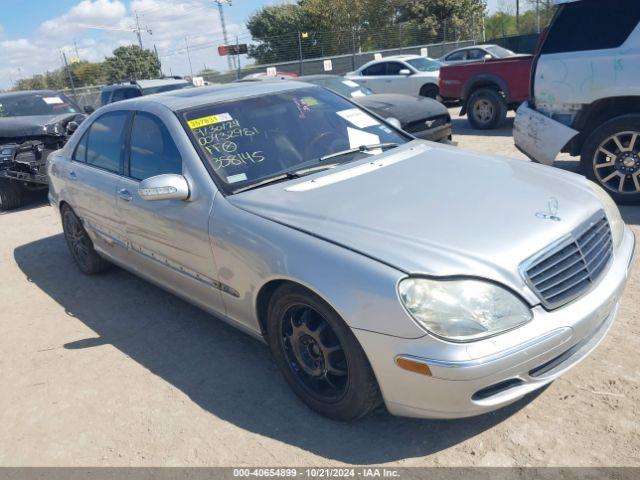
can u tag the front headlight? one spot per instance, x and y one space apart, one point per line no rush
613 213
53 129
462 310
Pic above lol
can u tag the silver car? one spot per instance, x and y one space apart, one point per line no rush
377 267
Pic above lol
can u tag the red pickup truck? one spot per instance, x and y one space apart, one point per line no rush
487 89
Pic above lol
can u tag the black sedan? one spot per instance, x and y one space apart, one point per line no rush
422 117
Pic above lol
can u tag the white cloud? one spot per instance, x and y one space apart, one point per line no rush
169 21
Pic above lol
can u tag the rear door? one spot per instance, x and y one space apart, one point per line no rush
590 52
169 239
92 178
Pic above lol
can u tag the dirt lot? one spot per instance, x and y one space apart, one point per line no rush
111 370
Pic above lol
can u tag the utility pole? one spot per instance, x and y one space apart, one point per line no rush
238 55
230 59
538 14
138 33
188 56
75 44
66 64
518 16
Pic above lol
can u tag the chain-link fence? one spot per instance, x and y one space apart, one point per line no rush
85 96
306 53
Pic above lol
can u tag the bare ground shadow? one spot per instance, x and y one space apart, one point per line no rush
226 372
461 126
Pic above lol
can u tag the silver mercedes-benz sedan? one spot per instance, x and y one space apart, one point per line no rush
377 267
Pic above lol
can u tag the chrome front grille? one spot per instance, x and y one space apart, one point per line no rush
567 270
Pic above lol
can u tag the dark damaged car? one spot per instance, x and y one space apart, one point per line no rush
32 125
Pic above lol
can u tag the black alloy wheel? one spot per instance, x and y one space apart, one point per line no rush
80 245
314 353
319 355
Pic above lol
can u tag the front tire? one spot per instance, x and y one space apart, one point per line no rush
80 245
611 158
319 356
11 195
486 109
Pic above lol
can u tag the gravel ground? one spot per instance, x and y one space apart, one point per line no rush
113 371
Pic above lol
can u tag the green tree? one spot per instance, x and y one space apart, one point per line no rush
276 27
458 17
87 73
131 63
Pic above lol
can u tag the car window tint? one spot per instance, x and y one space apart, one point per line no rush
393 68
375 69
106 138
153 151
104 96
80 155
592 25
461 55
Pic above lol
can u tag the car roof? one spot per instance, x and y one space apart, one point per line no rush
160 82
486 45
25 93
177 100
319 76
401 57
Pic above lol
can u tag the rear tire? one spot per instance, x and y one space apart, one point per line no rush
319 355
11 195
80 245
486 109
604 162
430 91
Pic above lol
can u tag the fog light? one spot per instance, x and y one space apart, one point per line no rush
413 366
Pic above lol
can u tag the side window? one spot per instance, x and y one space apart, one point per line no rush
375 69
153 151
125 93
462 55
592 25
106 141
476 54
80 155
393 68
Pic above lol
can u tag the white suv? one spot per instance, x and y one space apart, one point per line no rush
585 94
408 74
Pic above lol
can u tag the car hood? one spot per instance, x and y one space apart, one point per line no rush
405 108
433 210
18 127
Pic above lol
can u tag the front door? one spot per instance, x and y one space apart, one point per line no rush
168 239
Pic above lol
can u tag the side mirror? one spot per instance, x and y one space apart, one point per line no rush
164 187
88 109
488 56
404 71
72 126
395 122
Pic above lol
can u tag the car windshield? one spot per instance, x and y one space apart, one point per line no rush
425 64
249 140
346 88
500 52
30 105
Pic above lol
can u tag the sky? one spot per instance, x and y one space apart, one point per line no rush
32 38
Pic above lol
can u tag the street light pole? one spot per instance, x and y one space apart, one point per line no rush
186 41
230 59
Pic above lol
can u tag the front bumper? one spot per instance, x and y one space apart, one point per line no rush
474 378
437 134
539 137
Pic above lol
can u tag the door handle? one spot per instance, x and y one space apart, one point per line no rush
125 195
72 175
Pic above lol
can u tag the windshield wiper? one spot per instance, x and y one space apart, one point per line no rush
268 181
314 169
361 148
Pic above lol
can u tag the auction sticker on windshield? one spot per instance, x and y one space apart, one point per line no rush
209 120
53 100
358 118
